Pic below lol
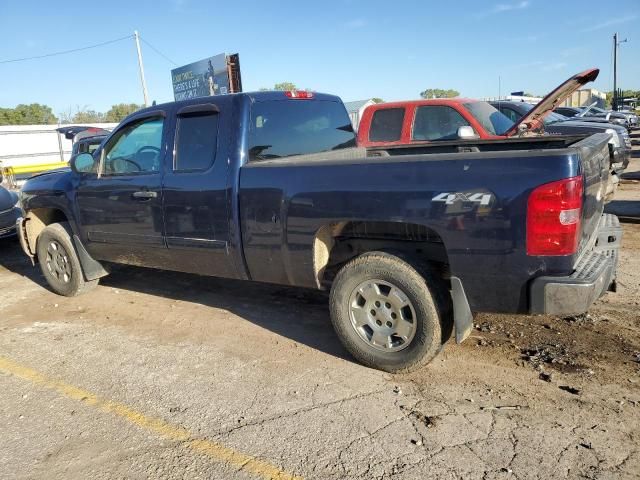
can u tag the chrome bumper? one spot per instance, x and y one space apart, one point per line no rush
593 276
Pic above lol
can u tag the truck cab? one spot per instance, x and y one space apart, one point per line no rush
421 121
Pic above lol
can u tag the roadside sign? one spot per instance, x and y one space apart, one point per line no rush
210 76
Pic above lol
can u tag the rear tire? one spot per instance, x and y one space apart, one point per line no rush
386 313
59 261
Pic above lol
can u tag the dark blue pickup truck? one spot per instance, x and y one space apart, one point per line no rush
271 187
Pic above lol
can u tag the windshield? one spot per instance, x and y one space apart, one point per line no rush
549 118
493 121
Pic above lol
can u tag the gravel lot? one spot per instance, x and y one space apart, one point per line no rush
164 375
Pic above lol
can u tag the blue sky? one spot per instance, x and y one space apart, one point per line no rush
353 48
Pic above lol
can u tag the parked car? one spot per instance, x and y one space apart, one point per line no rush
87 142
85 139
572 112
269 187
554 123
442 119
9 212
630 117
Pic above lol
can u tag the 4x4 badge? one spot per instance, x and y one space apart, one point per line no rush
450 198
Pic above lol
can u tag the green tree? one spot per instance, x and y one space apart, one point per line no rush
377 100
625 94
81 115
118 112
439 93
89 116
285 86
32 114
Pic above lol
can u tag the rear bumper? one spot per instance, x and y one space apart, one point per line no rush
593 275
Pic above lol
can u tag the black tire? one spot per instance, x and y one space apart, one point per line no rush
59 261
424 290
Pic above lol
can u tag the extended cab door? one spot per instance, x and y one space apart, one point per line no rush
120 206
196 198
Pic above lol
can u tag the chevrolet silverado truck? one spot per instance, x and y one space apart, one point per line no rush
270 187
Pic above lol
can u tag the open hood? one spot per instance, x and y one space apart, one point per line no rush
533 119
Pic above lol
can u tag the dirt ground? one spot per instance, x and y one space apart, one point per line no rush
165 375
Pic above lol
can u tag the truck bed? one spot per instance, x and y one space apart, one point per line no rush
284 203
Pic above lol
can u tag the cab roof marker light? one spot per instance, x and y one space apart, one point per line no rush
299 94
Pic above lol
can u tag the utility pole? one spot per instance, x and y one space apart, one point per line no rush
144 83
616 43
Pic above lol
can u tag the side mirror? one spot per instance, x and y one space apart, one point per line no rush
83 163
466 132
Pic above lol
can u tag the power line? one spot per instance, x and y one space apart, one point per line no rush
64 52
158 51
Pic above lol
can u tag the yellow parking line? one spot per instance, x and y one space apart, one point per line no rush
213 450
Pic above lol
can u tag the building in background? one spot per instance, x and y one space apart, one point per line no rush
355 110
586 96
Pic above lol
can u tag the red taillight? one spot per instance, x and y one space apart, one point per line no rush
554 211
299 94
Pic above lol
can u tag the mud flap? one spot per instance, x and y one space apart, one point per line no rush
462 316
91 268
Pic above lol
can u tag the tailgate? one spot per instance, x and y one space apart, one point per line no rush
594 158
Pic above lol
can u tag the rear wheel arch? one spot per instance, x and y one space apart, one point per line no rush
336 244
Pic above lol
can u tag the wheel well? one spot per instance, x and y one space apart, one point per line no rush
336 244
36 221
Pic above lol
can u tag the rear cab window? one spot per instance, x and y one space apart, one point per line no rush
284 128
386 125
196 141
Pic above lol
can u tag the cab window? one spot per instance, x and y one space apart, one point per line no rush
196 142
437 122
135 149
386 125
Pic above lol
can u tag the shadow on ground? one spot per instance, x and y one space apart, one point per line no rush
301 315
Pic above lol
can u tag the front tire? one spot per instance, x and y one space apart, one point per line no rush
386 313
59 261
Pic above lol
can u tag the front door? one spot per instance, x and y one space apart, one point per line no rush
120 208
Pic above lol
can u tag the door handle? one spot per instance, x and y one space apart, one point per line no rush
145 195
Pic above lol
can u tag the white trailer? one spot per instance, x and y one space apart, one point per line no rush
28 149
